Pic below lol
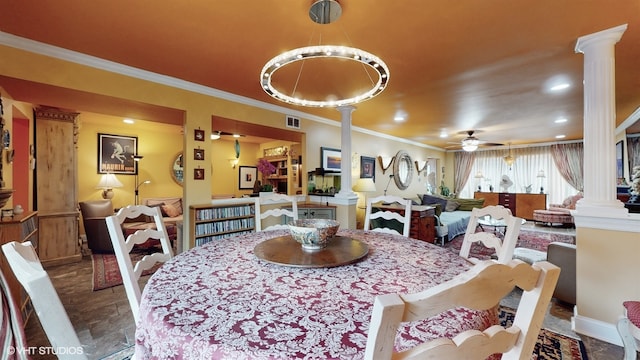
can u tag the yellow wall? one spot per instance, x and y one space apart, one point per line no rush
225 177
607 262
157 144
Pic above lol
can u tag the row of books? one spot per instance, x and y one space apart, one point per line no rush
225 212
225 226
208 239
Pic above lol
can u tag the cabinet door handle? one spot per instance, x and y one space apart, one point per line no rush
305 214
313 213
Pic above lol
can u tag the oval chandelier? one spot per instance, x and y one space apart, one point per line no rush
324 51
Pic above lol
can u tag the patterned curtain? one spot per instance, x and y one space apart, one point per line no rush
569 160
633 148
463 162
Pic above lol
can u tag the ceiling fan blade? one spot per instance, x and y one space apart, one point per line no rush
486 143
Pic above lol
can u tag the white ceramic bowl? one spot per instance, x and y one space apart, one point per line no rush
313 234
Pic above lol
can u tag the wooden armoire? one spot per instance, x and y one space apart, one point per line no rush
56 137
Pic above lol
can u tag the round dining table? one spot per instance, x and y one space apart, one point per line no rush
222 301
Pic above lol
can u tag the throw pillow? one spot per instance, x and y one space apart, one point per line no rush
170 210
430 200
451 206
149 218
469 204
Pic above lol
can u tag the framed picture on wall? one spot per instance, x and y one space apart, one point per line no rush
198 135
198 154
330 159
368 168
198 174
620 161
115 154
247 176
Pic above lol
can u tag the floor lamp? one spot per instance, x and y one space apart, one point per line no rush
137 159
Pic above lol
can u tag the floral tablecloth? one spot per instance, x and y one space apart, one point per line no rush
220 301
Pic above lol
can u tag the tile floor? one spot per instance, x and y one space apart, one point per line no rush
105 325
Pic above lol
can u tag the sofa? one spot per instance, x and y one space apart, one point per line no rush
452 214
94 213
558 213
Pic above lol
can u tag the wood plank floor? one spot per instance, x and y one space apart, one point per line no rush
105 325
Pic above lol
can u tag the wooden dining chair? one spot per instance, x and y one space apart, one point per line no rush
129 269
383 219
629 329
503 245
276 218
26 267
480 288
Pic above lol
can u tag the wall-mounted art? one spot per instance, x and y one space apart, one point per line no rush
198 135
247 176
330 159
198 174
115 154
368 168
198 154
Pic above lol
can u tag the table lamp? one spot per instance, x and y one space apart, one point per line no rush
107 183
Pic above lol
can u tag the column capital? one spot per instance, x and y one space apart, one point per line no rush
611 36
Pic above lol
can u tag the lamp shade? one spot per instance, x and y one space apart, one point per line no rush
364 185
109 181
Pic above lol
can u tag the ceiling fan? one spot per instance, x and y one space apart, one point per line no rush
215 135
471 143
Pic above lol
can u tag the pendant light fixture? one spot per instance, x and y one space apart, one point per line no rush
509 159
324 12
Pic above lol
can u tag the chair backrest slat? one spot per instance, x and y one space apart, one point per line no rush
283 201
388 215
503 246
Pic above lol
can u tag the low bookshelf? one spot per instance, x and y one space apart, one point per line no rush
221 219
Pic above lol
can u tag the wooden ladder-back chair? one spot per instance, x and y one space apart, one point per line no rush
503 246
387 215
122 247
480 288
284 201
26 267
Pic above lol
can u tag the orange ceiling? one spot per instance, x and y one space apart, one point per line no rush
454 65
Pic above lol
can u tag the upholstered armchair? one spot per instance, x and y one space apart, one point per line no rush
95 227
564 256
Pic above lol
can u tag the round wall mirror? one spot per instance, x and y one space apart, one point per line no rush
177 169
402 170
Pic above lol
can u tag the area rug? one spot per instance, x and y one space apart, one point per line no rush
537 240
550 345
106 273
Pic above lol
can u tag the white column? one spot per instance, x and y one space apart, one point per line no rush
345 147
599 122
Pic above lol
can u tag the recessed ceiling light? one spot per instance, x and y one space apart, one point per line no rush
559 87
561 136
128 121
560 120
443 134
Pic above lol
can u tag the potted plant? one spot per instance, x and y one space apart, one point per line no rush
266 169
